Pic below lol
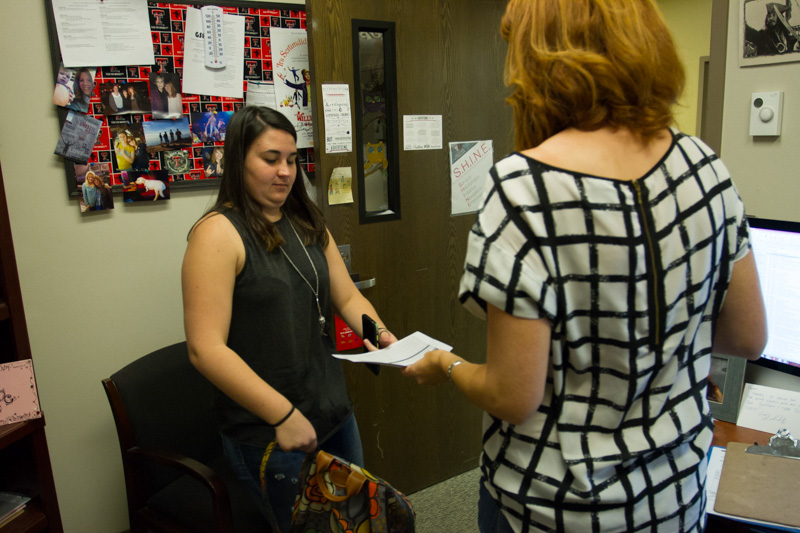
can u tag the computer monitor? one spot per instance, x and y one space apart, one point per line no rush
776 245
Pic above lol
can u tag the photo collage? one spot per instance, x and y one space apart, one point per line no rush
148 135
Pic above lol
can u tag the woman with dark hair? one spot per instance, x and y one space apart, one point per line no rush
261 278
215 166
106 198
610 258
83 89
115 102
174 100
158 96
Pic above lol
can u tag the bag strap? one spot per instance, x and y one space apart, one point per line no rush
262 478
355 480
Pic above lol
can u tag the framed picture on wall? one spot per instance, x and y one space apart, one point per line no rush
725 382
769 32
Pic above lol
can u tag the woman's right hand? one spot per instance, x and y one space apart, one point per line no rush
296 433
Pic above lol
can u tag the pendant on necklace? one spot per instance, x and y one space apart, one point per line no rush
322 324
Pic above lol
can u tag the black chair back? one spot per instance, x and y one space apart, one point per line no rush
175 474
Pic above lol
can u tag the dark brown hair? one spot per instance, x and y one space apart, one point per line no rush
245 126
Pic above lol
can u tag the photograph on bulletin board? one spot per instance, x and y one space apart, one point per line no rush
149 126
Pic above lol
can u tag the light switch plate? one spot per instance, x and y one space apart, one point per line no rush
766 110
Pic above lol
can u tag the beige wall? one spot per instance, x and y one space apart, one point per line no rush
99 290
766 170
690 24
102 290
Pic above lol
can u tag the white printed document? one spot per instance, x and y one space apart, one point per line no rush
402 353
92 33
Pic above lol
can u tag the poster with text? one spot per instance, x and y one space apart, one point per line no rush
292 78
470 162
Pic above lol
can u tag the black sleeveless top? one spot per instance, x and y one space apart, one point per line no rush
275 330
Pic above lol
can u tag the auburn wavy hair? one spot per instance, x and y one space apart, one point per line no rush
588 64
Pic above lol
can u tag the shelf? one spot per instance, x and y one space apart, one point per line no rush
11 433
31 520
24 459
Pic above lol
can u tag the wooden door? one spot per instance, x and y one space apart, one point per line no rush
449 57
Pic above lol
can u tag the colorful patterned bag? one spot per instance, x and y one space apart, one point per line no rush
338 497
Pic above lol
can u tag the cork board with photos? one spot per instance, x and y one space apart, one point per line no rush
181 141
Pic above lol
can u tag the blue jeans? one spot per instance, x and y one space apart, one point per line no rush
283 469
490 517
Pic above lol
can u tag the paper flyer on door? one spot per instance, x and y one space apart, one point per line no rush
470 162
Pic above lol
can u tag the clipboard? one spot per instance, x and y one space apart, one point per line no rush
759 486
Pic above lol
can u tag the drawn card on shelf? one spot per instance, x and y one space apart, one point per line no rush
19 400
78 137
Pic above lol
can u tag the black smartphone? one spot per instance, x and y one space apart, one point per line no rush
369 329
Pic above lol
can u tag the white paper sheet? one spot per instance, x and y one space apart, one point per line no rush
402 353
260 94
107 33
769 409
199 79
470 162
422 132
338 119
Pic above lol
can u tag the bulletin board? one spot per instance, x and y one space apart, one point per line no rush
167 32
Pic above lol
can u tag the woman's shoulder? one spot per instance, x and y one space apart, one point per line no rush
214 225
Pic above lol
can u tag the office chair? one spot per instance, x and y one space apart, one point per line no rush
176 477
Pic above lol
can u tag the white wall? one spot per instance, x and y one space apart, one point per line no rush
99 290
766 171
104 289
690 24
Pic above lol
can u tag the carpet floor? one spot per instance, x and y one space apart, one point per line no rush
450 506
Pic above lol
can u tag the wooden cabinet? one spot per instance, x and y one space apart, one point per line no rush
24 459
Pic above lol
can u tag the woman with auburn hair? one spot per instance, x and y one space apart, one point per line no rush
610 258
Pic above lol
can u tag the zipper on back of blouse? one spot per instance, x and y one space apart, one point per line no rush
653 281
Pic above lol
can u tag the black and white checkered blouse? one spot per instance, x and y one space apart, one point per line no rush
632 275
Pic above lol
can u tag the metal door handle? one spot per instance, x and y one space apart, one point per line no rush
365 284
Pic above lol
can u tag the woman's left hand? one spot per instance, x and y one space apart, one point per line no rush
385 338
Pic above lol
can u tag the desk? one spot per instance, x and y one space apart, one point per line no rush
725 432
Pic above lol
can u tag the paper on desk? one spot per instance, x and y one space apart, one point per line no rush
402 353
769 409
715 460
